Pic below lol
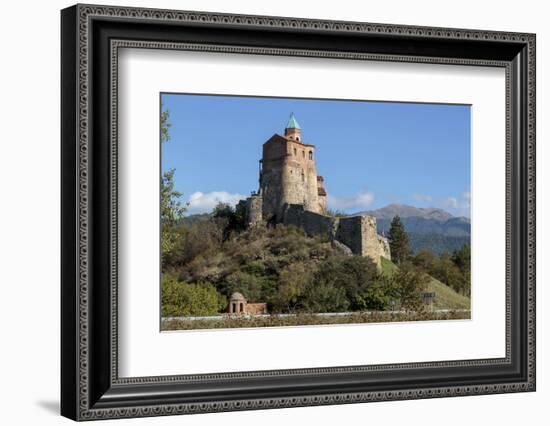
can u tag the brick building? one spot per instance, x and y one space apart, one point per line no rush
292 192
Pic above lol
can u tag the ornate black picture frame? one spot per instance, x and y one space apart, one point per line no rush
91 387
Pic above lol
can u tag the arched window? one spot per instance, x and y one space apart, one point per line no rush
311 155
294 151
303 154
242 307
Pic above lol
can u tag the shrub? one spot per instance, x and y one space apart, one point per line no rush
247 284
182 299
452 270
233 219
202 238
352 274
381 295
447 272
408 284
291 243
324 297
172 236
425 260
292 283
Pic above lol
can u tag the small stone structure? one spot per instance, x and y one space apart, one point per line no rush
238 305
253 210
291 192
256 308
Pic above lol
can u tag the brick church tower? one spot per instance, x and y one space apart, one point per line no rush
289 175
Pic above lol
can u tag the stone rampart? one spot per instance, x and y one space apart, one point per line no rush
356 232
253 210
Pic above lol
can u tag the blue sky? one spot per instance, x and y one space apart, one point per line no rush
370 153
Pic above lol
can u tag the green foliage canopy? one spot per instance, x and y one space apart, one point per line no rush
171 209
451 269
295 273
182 299
408 283
164 124
233 218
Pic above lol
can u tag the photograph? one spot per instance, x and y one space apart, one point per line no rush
282 212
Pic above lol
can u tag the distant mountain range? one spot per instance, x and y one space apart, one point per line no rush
428 228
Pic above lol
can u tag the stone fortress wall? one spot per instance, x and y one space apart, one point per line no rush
358 233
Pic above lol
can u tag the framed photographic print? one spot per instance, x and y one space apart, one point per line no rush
263 212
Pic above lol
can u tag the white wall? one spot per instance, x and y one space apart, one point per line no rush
29 216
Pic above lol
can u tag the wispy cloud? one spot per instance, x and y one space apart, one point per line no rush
457 205
360 201
422 198
450 203
200 202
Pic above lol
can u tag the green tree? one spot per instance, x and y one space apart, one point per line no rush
408 284
425 260
171 209
354 275
399 241
462 259
233 218
164 124
197 251
381 293
182 299
448 273
292 283
324 297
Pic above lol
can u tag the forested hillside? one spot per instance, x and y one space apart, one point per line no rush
280 265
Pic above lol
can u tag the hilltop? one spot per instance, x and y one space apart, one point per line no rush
291 271
431 229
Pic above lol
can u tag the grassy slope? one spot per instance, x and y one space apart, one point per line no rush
388 267
445 297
